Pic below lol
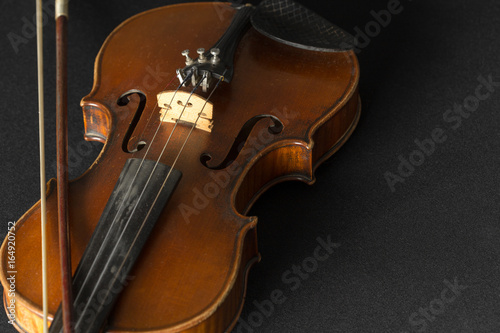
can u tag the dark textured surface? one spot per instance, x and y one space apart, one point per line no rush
291 23
394 250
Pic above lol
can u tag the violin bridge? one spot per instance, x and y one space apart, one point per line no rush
185 107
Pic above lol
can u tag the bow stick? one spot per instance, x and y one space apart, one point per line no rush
62 159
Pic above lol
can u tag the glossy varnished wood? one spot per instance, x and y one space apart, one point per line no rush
192 272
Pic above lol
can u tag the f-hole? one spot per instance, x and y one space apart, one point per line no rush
123 101
239 142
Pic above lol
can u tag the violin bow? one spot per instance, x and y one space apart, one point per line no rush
62 159
62 173
41 131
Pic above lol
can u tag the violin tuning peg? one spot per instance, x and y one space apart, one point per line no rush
189 60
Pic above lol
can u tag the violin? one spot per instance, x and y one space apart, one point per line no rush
160 239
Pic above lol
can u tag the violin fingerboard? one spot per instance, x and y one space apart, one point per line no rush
139 196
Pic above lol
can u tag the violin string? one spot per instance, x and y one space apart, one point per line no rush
156 106
106 238
143 190
164 183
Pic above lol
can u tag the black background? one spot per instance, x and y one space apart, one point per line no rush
396 249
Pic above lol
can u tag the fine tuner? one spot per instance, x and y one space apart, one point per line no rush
197 73
202 58
218 63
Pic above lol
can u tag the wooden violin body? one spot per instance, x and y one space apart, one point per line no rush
191 274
